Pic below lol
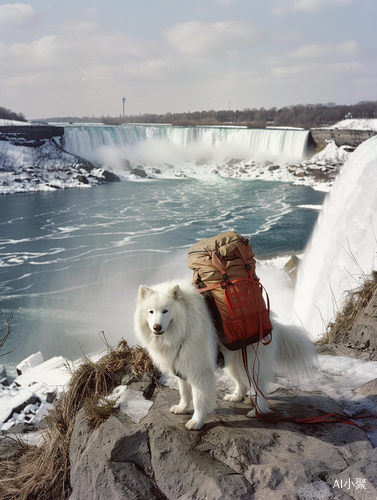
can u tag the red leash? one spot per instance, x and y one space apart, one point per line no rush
330 417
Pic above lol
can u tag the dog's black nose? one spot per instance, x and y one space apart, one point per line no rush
157 329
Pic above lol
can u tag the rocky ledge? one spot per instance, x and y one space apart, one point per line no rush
231 457
139 450
42 164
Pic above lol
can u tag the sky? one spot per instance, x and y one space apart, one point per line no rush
81 57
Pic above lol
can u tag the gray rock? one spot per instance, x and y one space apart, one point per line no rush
82 178
106 462
369 390
231 457
341 137
360 479
139 171
364 331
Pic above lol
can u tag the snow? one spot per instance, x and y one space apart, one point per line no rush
44 168
29 398
357 124
331 153
14 123
131 402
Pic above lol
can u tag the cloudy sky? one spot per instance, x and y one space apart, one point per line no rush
80 57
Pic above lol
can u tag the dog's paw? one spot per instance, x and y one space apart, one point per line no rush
178 409
194 425
233 397
266 412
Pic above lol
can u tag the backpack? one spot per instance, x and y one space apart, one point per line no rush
224 270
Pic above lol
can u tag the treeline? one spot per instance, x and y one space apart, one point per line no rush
7 114
301 115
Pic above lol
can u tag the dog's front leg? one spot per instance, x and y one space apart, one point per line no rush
185 393
204 399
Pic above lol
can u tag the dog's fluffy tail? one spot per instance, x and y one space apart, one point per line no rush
295 353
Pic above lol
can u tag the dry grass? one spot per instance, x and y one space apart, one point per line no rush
98 410
42 473
357 299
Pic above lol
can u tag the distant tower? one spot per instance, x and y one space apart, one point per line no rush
124 104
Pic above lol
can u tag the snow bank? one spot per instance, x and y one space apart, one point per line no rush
331 153
29 398
44 168
357 124
13 123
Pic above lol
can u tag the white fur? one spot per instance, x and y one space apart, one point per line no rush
172 322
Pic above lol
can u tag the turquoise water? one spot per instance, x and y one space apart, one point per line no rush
71 261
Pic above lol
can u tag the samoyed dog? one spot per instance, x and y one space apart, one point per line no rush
173 323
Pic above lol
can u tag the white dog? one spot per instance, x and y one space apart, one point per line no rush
173 323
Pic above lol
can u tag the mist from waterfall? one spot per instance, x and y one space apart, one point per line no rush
342 249
156 145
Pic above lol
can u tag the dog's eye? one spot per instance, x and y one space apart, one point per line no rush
164 311
150 311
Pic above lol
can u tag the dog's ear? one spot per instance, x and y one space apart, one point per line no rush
176 292
144 291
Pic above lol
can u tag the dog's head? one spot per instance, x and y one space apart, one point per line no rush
157 306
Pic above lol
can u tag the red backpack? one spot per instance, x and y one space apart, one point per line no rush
224 270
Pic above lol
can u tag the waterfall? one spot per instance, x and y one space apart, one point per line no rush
342 247
161 144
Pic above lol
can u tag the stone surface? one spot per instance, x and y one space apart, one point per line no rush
369 390
364 332
231 457
353 138
139 172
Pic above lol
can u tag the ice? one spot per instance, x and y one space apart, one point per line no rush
131 402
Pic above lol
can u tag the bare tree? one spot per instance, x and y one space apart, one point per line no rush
4 339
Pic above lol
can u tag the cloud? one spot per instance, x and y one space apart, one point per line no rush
317 63
326 50
282 6
319 53
321 70
211 39
17 16
224 2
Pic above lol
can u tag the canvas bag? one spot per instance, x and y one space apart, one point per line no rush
224 270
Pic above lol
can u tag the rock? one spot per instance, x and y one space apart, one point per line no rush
360 478
104 175
232 456
17 406
369 390
271 168
110 176
350 137
144 383
364 330
110 462
82 178
3 376
291 267
140 172
8 448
